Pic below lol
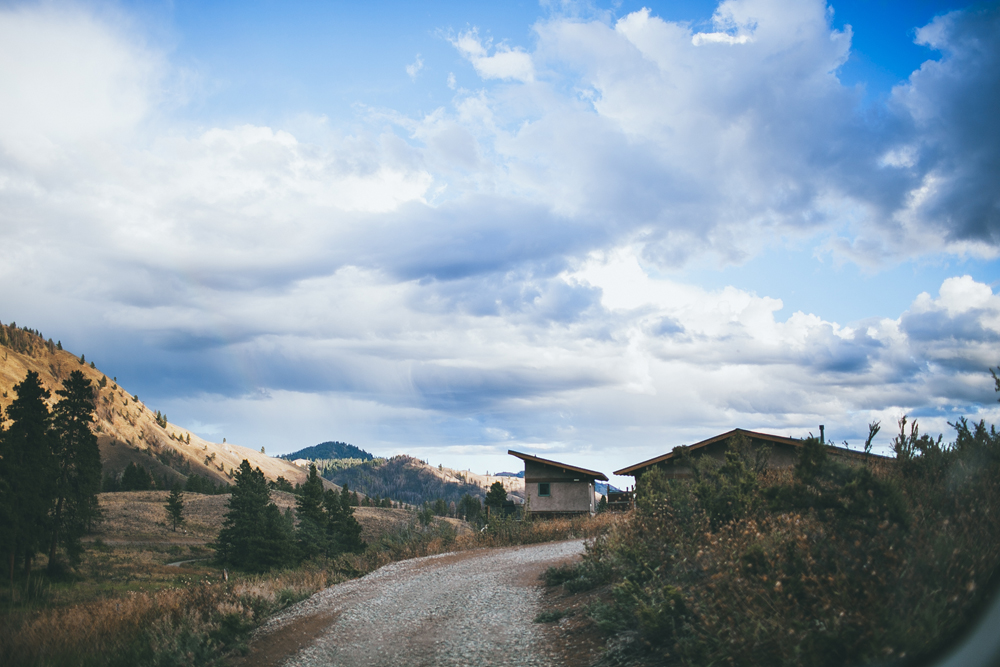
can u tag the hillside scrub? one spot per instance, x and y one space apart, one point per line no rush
828 564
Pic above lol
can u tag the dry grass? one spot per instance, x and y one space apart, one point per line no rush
127 607
141 516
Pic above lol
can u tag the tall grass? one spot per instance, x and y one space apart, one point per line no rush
204 620
832 566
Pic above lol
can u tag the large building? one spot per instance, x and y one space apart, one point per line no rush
555 489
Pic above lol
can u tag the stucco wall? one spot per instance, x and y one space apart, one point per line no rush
564 497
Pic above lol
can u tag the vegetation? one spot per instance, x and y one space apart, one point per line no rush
329 451
496 496
130 610
254 536
50 473
828 564
175 507
257 537
327 526
401 478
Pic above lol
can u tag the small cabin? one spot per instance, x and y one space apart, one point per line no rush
552 488
782 452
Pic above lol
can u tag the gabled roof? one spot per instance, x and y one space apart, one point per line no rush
778 439
564 466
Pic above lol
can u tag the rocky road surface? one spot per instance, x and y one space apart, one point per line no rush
464 608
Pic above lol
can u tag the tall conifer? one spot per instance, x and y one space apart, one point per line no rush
78 460
28 466
254 535
311 535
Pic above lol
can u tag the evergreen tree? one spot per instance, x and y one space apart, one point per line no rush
27 467
343 530
278 547
469 508
496 496
78 480
311 536
440 507
254 535
175 506
136 478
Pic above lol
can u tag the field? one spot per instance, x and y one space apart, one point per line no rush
125 604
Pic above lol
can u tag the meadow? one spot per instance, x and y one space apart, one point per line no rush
124 605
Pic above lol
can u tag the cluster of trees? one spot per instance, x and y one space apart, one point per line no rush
469 508
135 477
257 536
50 472
25 340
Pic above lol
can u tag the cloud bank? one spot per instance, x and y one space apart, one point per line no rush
508 269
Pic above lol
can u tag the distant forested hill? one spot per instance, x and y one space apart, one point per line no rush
329 450
404 478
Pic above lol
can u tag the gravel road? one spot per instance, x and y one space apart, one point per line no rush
465 608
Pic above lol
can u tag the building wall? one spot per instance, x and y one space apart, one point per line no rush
569 491
565 497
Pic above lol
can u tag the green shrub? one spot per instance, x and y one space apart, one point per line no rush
829 564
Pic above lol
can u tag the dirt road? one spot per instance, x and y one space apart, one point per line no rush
466 608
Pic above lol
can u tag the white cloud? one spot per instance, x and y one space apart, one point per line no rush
413 68
505 63
496 265
68 78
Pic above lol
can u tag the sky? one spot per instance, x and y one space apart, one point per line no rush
586 231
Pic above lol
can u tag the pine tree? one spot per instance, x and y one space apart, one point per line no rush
136 478
343 530
496 496
27 468
254 535
175 506
311 536
78 457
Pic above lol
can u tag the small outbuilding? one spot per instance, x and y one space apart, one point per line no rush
552 488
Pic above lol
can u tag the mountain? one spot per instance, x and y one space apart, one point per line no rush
404 478
329 450
603 488
127 430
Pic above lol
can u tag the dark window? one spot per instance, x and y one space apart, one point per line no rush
543 489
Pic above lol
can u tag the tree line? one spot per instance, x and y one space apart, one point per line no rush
50 472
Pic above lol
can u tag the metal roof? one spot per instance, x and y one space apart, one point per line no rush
564 466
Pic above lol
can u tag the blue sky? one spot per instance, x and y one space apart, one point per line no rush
587 231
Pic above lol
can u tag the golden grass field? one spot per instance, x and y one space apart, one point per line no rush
125 605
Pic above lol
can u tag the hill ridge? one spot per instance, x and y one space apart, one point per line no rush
127 430
330 449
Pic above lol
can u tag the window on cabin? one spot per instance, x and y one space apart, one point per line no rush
544 489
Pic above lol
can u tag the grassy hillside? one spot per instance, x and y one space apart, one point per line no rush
127 430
